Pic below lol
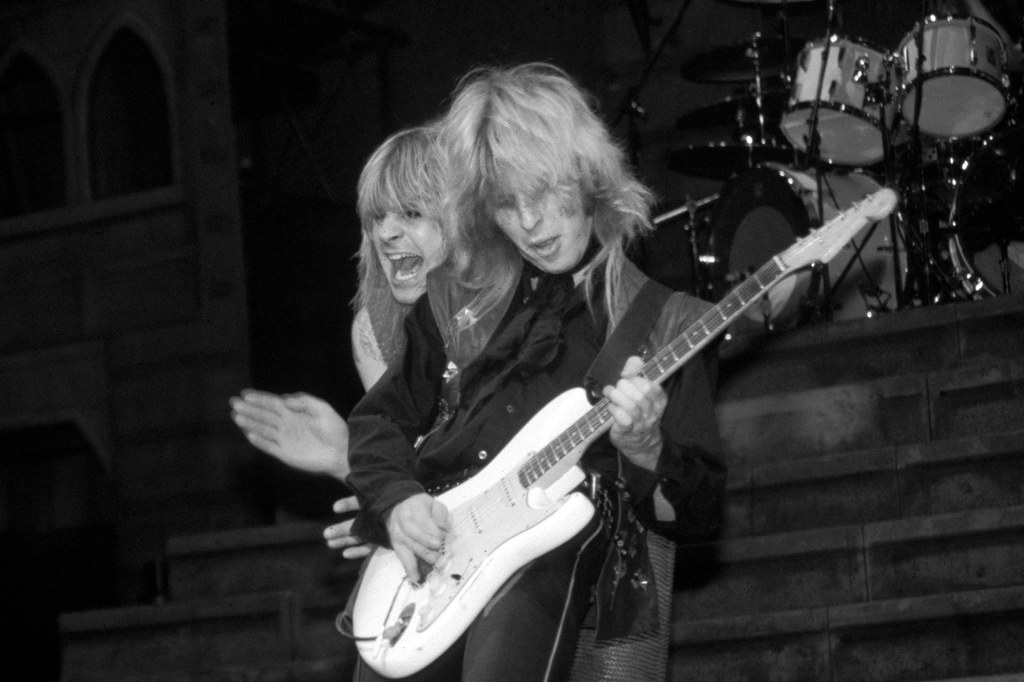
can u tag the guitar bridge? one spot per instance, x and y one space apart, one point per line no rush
393 632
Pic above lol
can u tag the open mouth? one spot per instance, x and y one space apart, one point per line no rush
544 247
405 266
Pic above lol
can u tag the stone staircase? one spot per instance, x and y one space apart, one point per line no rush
875 530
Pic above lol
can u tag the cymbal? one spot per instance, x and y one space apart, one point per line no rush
734 109
735 63
722 160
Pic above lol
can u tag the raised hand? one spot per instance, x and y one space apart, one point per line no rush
301 430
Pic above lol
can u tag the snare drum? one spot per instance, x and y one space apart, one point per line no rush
762 212
849 116
962 81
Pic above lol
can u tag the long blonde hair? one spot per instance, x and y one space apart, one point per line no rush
406 172
526 129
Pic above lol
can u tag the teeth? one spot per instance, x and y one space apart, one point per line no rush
404 264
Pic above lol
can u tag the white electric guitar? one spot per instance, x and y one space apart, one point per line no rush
521 505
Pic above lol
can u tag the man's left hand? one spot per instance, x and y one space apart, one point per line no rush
636 404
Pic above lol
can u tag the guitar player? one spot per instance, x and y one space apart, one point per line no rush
543 207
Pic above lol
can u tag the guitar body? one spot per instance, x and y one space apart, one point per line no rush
498 526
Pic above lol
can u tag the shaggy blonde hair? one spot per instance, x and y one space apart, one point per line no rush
521 131
405 173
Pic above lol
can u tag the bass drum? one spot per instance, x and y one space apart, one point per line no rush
764 211
987 214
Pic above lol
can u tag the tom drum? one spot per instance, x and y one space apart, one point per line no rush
849 113
963 88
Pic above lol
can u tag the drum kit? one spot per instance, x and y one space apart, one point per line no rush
820 123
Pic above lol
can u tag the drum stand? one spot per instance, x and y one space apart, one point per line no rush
817 307
916 287
689 209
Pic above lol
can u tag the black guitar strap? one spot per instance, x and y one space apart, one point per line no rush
626 338
627 603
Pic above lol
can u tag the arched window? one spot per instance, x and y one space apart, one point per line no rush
129 130
33 174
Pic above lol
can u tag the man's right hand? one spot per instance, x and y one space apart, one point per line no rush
417 527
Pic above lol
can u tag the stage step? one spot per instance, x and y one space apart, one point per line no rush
937 637
864 486
916 341
904 409
853 564
284 631
253 629
325 670
292 556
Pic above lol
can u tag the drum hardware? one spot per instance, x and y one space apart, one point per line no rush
815 306
723 160
689 209
813 139
868 287
740 109
884 94
742 62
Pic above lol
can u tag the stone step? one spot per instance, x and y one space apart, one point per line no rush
875 413
289 556
324 670
912 341
916 556
1008 677
919 479
937 637
277 633
145 640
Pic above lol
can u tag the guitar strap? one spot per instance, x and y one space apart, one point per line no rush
627 601
626 338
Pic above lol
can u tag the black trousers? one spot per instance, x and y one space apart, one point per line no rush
528 632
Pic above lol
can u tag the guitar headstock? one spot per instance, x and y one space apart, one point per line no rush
823 243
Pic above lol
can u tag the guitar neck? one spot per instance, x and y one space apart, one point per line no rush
659 368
